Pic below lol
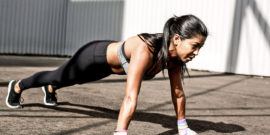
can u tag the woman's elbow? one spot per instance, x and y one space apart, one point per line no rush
179 94
130 101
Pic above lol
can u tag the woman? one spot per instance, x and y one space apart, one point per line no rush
140 57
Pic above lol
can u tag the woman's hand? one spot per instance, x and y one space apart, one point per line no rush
183 128
187 131
122 132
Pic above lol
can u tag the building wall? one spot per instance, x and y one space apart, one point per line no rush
239 40
239 31
57 27
32 26
93 20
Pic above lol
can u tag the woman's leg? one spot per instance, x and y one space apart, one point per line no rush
88 64
45 79
65 75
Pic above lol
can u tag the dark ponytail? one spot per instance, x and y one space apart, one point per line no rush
163 52
186 26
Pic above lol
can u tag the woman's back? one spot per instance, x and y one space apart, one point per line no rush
132 45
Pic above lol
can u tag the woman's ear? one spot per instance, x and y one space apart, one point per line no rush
176 39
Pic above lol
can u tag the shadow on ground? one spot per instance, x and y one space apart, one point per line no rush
5 83
157 118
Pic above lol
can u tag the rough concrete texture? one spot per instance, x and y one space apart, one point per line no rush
217 103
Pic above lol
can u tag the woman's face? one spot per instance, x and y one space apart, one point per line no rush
187 49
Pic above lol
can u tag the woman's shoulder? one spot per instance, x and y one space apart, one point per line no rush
135 43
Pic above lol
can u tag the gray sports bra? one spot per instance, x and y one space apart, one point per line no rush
124 61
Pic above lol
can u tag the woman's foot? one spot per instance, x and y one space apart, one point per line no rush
49 96
14 95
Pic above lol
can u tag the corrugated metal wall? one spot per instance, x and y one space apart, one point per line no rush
57 27
239 40
32 26
93 20
253 55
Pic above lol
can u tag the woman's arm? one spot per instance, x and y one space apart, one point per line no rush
179 100
139 62
177 93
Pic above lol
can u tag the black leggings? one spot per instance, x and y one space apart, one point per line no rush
89 63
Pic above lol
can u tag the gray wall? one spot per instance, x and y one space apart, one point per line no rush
239 40
56 27
93 20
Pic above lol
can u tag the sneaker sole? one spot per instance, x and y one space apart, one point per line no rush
46 103
9 89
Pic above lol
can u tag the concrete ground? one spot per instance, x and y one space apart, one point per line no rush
217 104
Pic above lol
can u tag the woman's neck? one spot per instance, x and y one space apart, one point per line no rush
172 51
